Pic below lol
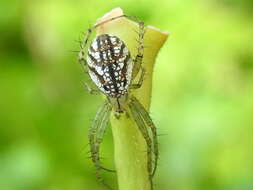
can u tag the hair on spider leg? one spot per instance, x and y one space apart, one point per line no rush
88 153
104 183
91 120
154 184
96 134
161 163
85 146
100 178
109 20
142 124
74 51
90 23
137 50
140 34
139 109
102 167
139 41
84 70
82 33
136 31
80 36
144 47
147 46
154 162
79 42
88 157
134 18
162 134
160 128
108 170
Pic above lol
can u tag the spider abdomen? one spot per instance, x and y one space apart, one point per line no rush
110 65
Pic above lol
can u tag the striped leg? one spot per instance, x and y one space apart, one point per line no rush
96 134
142 112
144 131
140 81
91 90
140 49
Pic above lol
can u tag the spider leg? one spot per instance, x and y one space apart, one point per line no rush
144 131
83 62
140 49
145 116
140 81
96 134
83 44
91 90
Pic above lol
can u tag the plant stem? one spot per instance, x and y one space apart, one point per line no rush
129 145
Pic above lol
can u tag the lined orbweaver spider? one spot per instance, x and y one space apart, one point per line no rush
112 69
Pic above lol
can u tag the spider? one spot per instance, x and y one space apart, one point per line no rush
110 66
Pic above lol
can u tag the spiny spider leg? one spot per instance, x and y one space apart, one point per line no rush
144 114
101 131
144 131
96 133
140 81
83 44
91 90
140 49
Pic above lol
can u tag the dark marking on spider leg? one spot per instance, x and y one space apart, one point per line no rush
74 51
96 134
143 129
115 18
90 89
144 114
81 56
100 133
108 170
119 105
83 45
109 20
140 81
140 49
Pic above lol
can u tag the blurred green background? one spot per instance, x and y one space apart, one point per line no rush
202 99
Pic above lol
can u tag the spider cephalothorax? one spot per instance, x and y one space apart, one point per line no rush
111 67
